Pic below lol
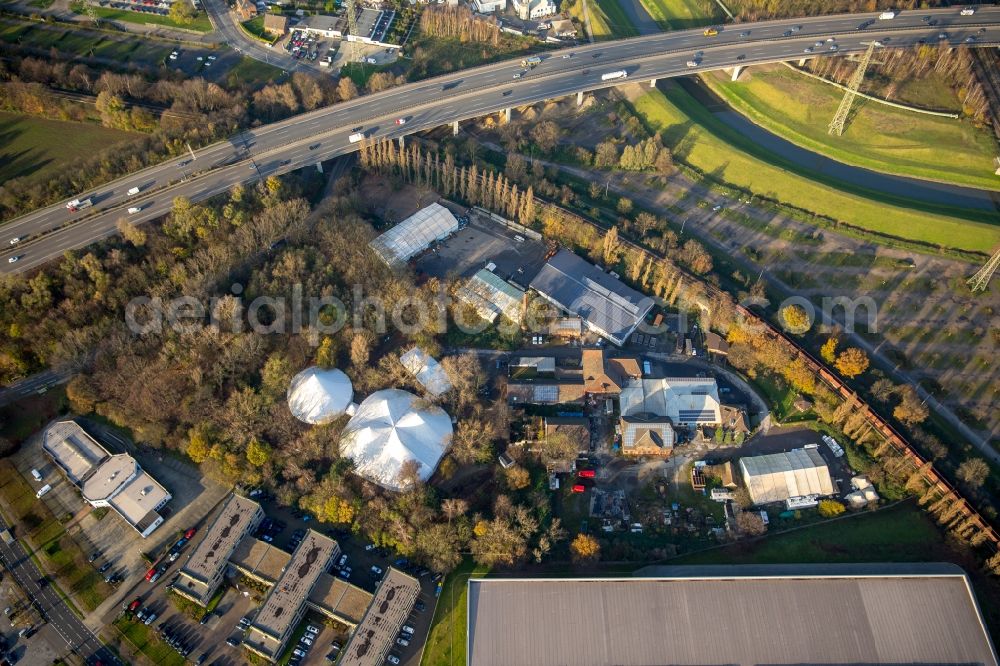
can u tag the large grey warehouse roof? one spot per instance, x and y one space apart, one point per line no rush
415 234
606 304
892 616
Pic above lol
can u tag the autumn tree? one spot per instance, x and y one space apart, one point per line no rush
606 155
361 348
829 350
829 508
585 548
851 362
795 318
346 90
182 12
326 353
974 472
517 477
131 233
911 410
545 135
750 523
258 452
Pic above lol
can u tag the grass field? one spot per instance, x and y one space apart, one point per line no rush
55 548
698 139
35 147
255 28
253 72
613 17
145 640
581 9
446 642
200 23
81 42
878 137
682 14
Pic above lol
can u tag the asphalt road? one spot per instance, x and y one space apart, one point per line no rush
38 382
78 638
226 24
323 134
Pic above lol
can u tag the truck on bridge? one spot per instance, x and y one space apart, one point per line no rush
610 76
80 204
531 61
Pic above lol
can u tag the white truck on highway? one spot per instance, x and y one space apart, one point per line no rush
357 136
133 191
80 204
885 16
968 11
611 76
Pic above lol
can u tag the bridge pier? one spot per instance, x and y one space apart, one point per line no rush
454 128
506 115
319 167
579 98
402 143
736 71
652 83
802 62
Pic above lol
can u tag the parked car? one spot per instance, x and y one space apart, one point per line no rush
190 532
407 629
376 570
402 642
392 659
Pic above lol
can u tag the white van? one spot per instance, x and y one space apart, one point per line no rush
133 191
36 475
41 491
133 210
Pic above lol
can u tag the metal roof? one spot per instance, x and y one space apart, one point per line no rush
605 303
686 401
415 234
736 619
491 296
776 477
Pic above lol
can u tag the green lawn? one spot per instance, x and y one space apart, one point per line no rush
613 18
700 140
878 137
200 23
682 14
255 27
446 642
145 640
253 72
82 42
36 147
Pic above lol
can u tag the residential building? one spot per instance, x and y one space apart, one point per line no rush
528 10
563 28
245 9
532 367
606 376
489 6
105 479
376 634
607 306
285 603
275 24
538 381
646 435
779 477
716 344
204 569
688 402
740 615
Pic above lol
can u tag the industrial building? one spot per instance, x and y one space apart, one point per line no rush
415 234
490 296
319 396
779 477
105 479
687 402
386 614
285 603
204 569
607 306
739 615
426 370
392 429
324 26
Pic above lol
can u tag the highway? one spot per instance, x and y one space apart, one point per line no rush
323 134
78 637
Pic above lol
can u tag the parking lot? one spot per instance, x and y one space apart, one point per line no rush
483 241
302 46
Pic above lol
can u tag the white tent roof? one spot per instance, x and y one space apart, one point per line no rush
777 477
414 234
388 430
316 395
427 370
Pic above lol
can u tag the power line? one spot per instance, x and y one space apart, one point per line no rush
840 118
981 280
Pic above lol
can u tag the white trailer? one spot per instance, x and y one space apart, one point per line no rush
611 76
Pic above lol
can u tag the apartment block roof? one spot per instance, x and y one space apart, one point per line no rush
391 606
211 554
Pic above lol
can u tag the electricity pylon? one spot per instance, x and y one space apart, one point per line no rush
837 124
352 27
981 279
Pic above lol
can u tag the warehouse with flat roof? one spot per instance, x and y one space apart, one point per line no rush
607 306
415 234
491 296
795 614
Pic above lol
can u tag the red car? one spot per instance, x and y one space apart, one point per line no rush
134 605
586 474
150 573
579 488
190 532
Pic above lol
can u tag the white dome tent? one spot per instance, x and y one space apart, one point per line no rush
388 430
319 396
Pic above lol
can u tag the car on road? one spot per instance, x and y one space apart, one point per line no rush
400 121
517 75
15 241
13 259
741 57
787 33
313 146
807 49
796 28
505 93
370 547
834 47
745 34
